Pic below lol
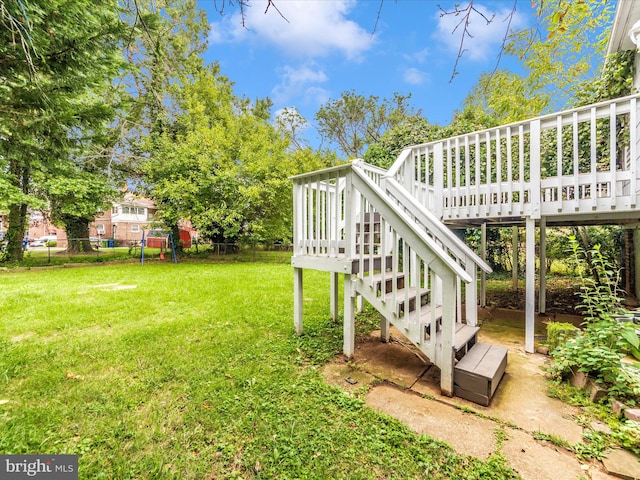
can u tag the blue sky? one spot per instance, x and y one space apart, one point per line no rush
326 47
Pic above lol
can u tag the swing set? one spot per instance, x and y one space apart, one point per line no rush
171 243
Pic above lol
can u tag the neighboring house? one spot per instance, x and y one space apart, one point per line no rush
38 226
125 221
41 226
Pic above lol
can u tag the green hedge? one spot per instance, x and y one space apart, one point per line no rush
558 333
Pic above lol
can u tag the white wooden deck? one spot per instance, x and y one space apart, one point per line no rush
579 165
574 167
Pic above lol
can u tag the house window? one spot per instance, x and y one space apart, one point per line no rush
114 210
100 228
135 228
133 210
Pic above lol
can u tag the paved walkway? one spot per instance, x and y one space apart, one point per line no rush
519 416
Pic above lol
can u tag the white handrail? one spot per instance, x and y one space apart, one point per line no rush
504 172
402 223
435 226
544 119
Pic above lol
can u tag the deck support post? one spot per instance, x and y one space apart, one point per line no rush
542 293
636 256
298 300
483 275
335 308
449 283
359 303
349 317
514 257
530 286
384 329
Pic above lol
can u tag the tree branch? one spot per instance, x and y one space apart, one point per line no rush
464 21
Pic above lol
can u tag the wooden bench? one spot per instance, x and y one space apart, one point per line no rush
478 374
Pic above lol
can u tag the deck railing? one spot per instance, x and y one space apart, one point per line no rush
577 161
346 216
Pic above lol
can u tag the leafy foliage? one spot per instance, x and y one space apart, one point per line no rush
411 131
353 121
563 53
219 163
558 333
599 347
54 57
562 56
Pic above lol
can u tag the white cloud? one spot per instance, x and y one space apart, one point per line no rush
300 82
485 39
413 76
316 96
417 57
312 28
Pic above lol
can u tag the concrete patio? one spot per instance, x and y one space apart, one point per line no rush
400 382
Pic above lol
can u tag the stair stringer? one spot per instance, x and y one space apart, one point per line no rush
412 327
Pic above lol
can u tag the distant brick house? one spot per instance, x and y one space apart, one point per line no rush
40 226
125 221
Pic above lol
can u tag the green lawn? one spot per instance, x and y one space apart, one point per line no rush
192 371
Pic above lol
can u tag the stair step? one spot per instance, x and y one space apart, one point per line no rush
368 221
411 294
367 249
477 375
466 337
376 281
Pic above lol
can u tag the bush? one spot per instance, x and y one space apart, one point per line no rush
559 333
598 349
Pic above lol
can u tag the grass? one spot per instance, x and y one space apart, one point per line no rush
44 257
192 371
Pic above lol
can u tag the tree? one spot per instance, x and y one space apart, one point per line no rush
221 164
505 97
412 131
52 53
291 124
562 56
416 130
353 121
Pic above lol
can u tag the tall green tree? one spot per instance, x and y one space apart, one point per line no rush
562 56
412 131
223 166
353 121
52 53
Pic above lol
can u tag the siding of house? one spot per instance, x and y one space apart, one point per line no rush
125 221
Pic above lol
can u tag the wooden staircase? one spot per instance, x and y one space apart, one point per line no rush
385 230
352 220
479 367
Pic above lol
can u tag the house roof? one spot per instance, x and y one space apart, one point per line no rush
131 199
627 13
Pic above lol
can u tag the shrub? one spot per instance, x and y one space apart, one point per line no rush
559 333
598 349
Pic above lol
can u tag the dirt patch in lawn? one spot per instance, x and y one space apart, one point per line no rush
561 295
